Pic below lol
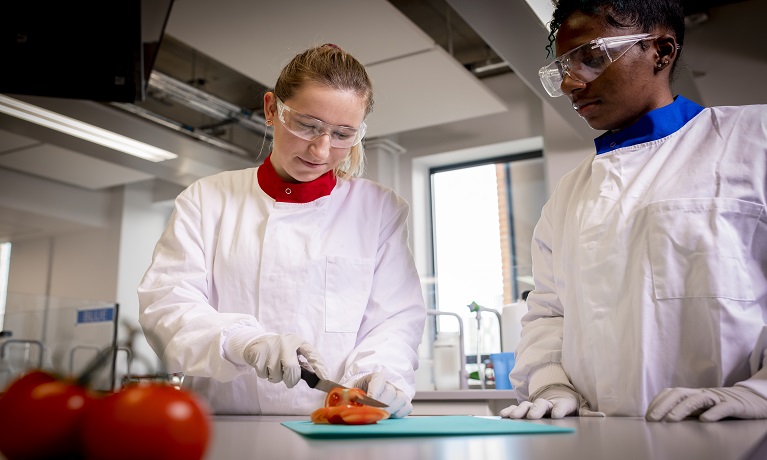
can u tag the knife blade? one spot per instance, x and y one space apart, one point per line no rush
314 381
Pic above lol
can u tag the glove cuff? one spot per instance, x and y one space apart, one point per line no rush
757 383
547 375
237 341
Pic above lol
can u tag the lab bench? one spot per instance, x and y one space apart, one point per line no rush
462 402
595 438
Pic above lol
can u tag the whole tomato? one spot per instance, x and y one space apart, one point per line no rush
26 382
41 417
150 420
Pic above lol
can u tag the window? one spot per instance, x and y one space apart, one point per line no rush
483 215
5 266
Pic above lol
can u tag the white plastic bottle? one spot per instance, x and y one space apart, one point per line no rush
511 319
447 365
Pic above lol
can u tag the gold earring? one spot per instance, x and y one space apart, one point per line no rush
269 122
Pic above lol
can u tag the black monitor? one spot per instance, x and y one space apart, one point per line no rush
82 49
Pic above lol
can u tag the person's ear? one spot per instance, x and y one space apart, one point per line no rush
270 107
666 49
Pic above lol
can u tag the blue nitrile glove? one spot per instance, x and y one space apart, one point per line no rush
377 387
556 401
711 404
275 358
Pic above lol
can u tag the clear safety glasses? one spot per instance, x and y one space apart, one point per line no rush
586 62
309 128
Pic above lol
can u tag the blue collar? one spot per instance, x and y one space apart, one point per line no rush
653 125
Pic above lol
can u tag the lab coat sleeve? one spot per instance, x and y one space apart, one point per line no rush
393 322
758 363
181 326
539 351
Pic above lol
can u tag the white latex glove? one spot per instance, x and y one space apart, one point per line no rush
713 404
377 387
275 358
557 401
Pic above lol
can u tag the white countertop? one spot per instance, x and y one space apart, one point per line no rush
595 438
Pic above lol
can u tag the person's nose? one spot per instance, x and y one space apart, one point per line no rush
321 146
570 84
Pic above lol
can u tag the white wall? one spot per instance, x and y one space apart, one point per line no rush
142 224
563 148
79 261
100 260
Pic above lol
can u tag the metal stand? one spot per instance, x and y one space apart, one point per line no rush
464 376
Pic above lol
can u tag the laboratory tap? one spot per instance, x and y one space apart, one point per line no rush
476 308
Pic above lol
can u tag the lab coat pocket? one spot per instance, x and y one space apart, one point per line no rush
347 288
701 247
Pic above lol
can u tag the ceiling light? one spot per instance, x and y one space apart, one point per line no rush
205 102
53 120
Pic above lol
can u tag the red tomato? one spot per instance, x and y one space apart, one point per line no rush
349 415
341 396
320 415
41 417
341 407
26 382
361 415
147 421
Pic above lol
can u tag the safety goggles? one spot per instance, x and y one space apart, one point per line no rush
309 128
586 62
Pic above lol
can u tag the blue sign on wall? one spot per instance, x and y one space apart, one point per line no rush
96 315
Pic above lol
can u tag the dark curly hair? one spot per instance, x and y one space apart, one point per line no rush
644 14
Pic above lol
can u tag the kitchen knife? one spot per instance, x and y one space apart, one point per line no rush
314 381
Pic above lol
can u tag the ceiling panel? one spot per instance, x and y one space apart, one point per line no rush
12 141
409 70
63 165
259 38
426 89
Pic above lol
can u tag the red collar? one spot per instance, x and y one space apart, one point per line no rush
289 192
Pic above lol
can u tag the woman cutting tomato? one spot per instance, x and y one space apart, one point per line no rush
299 258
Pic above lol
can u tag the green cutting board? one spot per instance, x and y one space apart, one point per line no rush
444 425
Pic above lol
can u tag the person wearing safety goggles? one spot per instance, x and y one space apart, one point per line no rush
299 259
650 258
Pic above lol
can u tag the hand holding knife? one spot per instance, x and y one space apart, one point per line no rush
314 381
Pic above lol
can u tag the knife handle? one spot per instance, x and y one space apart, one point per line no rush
310 377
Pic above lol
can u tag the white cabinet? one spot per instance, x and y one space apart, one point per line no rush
462 402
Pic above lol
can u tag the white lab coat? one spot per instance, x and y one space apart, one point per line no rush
336 271
650 267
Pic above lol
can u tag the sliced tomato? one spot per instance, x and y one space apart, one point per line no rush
320 415
362 415
342 408
334 414
349 415
341 396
